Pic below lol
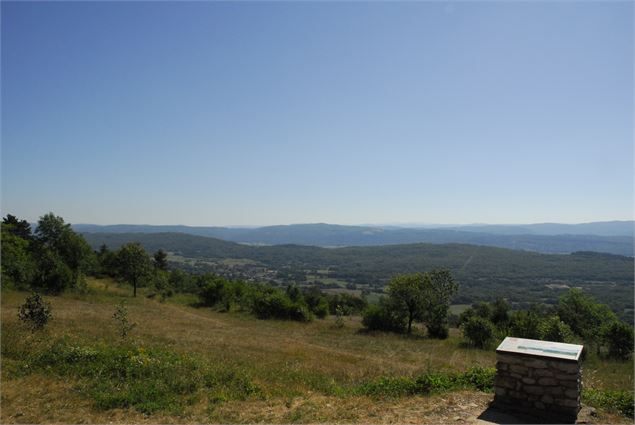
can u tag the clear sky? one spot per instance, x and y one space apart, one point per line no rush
288 112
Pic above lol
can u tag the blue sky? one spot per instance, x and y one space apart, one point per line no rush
278 112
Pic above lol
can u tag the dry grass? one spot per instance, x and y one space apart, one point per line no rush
299 367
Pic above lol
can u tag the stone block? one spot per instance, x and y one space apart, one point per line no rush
539 405
557 391
536 364
518 369
547 381
546 399
534 389
572 394
543 372
500 391
505 382
529 381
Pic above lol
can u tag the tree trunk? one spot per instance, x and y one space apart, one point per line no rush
134 285
409 322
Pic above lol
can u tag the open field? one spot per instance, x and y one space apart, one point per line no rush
303 372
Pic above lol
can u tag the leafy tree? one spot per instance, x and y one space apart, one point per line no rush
407 293
440 287
35 313
52 274
585 316
483 309
618 337
54 235
51 230
478 331
19 228
161 260
133 264
500 313
18 264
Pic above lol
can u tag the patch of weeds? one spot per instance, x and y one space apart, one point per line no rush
148 380
478 378
620 401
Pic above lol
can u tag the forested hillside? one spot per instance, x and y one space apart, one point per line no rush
483 272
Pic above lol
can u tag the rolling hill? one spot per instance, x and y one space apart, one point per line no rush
609 237
483 272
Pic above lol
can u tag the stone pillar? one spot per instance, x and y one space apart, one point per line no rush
538 378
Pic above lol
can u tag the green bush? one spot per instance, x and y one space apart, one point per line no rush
438 331
618 337
382 317
525 324
478 331
277 305
554 329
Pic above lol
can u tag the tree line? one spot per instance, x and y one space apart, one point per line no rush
577 318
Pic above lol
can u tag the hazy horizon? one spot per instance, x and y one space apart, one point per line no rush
266 113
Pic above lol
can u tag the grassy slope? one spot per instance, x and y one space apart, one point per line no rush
298 366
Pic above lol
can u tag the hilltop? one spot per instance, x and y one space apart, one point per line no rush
287 371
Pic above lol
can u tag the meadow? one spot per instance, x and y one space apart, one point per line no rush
185 364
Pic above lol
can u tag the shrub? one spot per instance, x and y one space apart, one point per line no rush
382 317
525 324
35 313
618 337
278 305
438 331
478 331
123 324
554 329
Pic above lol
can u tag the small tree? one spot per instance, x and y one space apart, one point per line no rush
160 260
35 313
478 331
133 264
339 317
408 292
121 318
439 288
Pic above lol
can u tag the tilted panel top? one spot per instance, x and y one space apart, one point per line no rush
534 347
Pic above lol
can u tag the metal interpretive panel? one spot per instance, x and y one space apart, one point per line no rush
556 350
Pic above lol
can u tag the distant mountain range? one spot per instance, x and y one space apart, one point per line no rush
614 237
